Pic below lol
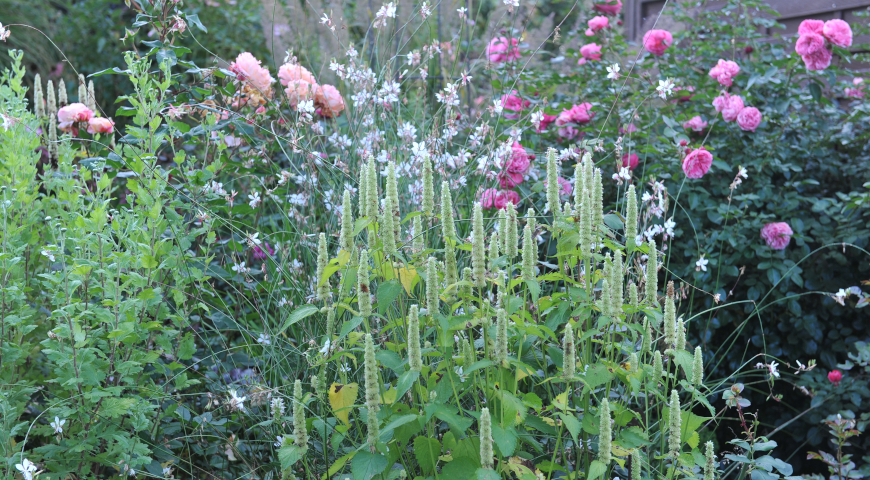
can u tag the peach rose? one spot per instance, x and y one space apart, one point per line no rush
329 101
298 90
289 73
72 114
100 125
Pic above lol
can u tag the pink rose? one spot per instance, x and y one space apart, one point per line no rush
568 133
777 235
516 167
809 43
657 41
329 101
565 187
71 114
819 60
732 108
299 90
696 124
596 24
289 73
720 102
811 26
748 119
514 103
548 119
260 253
100 125
610 7
590 52
247 69
724 71
838 32
577 114
500 50
630 161
630 128
697 163
854 92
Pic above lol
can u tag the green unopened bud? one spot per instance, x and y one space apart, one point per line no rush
38 99
372 194
616 294
531 219
569 365
451 272
710 465
633 298
486 455
636 467
363 197
330 323
552 182
419 239
605 435
322 292
670 319
299 429
578 188
363 292
588 175
631 218
652 275
605 305
698 368
372 392
647 337
466 277
478 253
392 192
387 230
432 287
493 251
318 383
674 427
586 220
53 146
62 100
415 357
512 240
448 228
530 254
501 340
633 362
346 237
469 356
681 335
657 366
428 187
597 200
502 229
50 100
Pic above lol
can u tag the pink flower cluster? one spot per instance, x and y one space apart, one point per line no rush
657 41
499 199
590 52
301 85
576 115
725 71
858 91
815 38
777 235
501 50
732 108
609 7
695 124
516 167
565 187
515 103
71 117
596 24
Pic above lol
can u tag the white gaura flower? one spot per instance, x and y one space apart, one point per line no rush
253 240
57 425
279 440
27 468
326 347
263 339
240 268
701 264
772 369
665 88
254 200
236 402
497 106
48 253
613 72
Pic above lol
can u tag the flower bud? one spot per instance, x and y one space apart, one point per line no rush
652 275
698 368
50 100
38 99
363 293
486 455
322 291
372 392
710 465
674 428
478 254
569 364
681 335
630 218
388 227
448 228
62 100
632 295
530 254
418 243
428 187
552 183
299 429
501 340
636 467
432 301
372 190
512 239
346 237
586 226
469 356
330 323
415 358
605 435
657 366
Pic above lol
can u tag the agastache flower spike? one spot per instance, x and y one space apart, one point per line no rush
605 435
466 277
428 187
552 183
501 341
62 100
647 337
418 243
346 238
616 294
670 318
299 429
478 253
606 298
569 365
531 218
448 228
38 99
53 147
674 441
636 467
92 98
493 250
529 254
578 188
451 273
330 323
363 293
322 260
387 230
486 455
372 190
502 229
432 300
83 90
652 276
372 392
415 359
657 366
632 362
710 465
588 175
393 194
51 100
632 295
363 190
468 354
630 218
586 226
598 200
698 368
681 335
512 238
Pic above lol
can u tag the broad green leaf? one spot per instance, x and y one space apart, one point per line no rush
427 450
366 465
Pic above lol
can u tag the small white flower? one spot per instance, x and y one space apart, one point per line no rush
254 200
665 88
326 347
344 368
279 440
498 106
263 339
27 468
240 268
4 32
772 369
167 472
462 12
236 402
511 4
278 407
701 264
48 253
841 294
252 239
57 425
613 72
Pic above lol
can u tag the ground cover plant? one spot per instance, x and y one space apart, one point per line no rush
470 258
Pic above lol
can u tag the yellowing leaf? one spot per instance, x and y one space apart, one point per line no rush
341 398
389 397
409 278
694 440
549 421
561 401
343 258
619 451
